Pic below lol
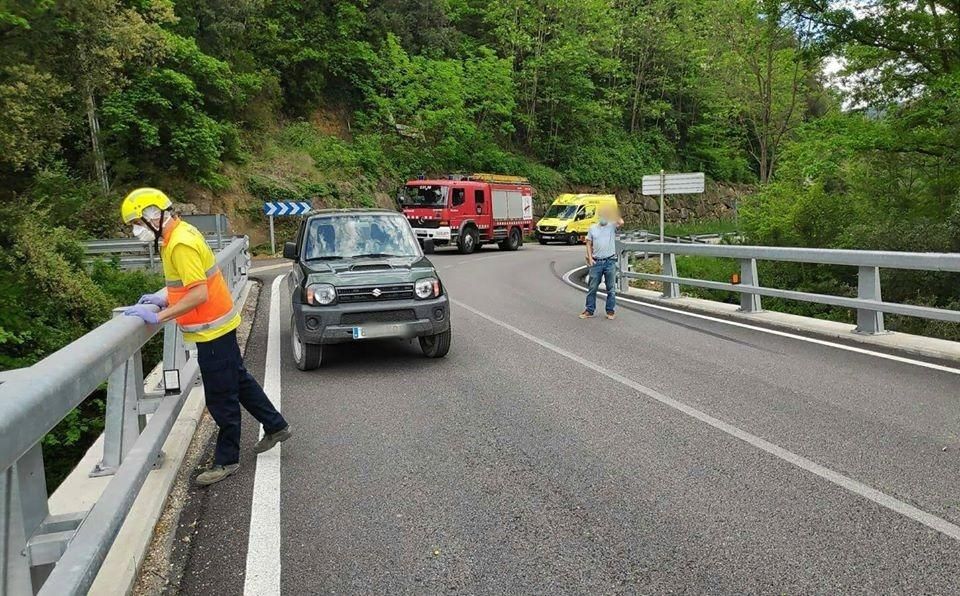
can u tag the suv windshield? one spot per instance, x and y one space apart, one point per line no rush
359 235
424 195
561 211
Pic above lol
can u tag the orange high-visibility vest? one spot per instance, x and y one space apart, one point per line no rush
219 308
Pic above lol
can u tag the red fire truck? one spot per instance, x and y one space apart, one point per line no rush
469 211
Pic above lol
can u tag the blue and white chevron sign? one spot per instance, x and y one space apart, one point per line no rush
286 208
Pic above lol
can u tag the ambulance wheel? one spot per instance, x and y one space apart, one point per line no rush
307 356
573 239
436 346
468 241
512 241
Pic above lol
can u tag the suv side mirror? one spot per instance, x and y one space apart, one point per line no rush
290 250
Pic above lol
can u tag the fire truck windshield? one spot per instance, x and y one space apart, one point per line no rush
424 195
561 211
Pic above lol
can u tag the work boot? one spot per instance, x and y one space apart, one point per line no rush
269 441
611 315
216 474
586 314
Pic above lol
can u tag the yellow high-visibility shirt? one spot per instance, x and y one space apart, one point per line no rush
187 263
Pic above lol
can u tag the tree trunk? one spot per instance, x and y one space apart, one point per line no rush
99 162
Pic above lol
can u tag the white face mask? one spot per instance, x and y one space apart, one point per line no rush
142 233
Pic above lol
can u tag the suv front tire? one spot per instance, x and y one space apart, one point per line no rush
307 356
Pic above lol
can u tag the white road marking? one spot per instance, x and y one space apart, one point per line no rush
270 267
884 500
821 342
263 543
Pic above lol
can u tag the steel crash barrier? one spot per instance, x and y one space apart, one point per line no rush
869 304
61 554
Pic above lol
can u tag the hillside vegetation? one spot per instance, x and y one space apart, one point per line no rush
226 103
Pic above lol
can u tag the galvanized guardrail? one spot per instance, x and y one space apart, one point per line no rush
869 304
61 554
136 254
648 236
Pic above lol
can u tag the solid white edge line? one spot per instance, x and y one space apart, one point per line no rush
854 486
263 268
263 543
812 340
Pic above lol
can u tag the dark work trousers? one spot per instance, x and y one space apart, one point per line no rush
227 386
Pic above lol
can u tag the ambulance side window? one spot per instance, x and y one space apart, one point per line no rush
459 196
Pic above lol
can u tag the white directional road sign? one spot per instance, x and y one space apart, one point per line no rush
673 184
286 208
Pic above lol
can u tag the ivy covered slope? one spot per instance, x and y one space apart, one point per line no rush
226 103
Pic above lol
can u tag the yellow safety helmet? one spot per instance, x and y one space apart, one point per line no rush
140 199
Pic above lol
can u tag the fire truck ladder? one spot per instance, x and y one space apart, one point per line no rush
499 179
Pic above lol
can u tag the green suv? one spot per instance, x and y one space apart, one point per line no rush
360 274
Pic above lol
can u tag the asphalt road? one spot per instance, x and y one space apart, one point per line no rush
539 457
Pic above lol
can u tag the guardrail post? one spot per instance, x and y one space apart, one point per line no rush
123 421
869 322
23 489
624 263
749 302
670 289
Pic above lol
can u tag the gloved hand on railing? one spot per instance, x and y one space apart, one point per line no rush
155 299
141 310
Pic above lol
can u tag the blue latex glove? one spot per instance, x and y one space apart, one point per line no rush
155 299
141 310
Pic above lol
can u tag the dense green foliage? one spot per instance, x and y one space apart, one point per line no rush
337 101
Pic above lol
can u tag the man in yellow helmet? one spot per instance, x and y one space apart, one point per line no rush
198 298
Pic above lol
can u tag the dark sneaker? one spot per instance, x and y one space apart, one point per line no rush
270 441
611 315
586 314
216 474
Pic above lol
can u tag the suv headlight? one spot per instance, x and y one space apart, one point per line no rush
321 294
428 287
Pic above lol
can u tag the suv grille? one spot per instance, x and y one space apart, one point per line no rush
353 294
548 228
429 224
380 316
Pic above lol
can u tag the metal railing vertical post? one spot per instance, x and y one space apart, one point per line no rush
624 265
670 289
23 489
868 288
749 302
123 421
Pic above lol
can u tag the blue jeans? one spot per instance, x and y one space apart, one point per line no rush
607 269
228 386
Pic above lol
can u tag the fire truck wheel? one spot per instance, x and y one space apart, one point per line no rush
467 243
307 356
436 346
513 241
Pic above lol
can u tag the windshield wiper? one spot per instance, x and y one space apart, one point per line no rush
380 255
326 258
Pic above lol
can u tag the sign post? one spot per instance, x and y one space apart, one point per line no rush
672 184
271 209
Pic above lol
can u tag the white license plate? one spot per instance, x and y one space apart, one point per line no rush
358 333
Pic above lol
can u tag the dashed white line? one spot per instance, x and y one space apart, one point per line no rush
263 544
854 486
812 340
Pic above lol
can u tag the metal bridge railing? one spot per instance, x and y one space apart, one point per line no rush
137 254
62 554
869 304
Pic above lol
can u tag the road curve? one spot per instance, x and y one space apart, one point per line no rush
534 459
